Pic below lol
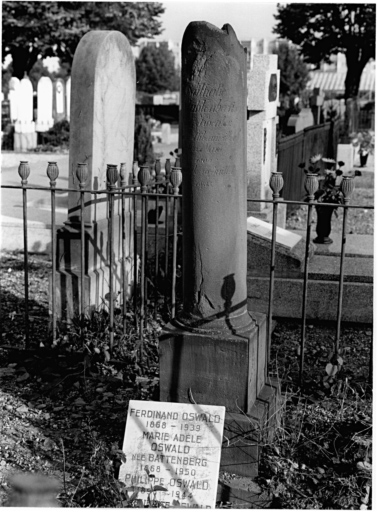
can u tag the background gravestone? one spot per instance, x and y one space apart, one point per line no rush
101 133
44 104
68 97
215 338
263 99
25 136
59 100
14 92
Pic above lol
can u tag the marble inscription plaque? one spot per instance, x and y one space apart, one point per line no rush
173 452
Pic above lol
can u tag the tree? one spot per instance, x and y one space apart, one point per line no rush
293 70
34 29
155 69
321 30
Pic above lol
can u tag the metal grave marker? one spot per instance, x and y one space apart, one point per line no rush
174 446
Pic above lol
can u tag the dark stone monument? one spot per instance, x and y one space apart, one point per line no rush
214 351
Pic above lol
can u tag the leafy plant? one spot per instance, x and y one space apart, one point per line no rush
329 190
364 141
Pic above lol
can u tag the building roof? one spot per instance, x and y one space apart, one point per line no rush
334 80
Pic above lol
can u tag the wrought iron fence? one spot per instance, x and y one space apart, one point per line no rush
150 187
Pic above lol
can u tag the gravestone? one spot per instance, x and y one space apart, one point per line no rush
166 133
215 338
102 132
68 97
44 104
14 98
316 104
175 449
298 122
59 100
25 136
263 98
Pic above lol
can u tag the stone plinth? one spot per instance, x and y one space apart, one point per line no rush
102 132
290 250
214 338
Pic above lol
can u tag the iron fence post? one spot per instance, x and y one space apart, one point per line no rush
176 179
112 177
167 187
122 173
53 173
24 172
276 184
347 186
158 181
311 186
135 237
82 176
144 178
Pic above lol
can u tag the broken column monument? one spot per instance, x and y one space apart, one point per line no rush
102 133
214 351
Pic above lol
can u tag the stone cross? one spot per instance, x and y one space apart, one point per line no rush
263 98
25 136
101 133
44 104
214 351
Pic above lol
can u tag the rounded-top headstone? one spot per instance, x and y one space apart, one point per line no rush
102 111
214 113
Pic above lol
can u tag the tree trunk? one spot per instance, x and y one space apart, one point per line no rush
355 66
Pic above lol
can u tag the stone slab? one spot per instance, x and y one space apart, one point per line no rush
321 301
289 255
180 445
204 366
266 214
327 268
356 245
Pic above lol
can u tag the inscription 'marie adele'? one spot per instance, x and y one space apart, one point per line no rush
214 102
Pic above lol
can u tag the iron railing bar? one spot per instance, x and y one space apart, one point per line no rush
124 249
156 251
305 292
305 203
111 257
26 269
142 270
174 261
135 267
82 254
341 283
145 249
53 256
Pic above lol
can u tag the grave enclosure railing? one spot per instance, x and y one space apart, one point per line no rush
156 206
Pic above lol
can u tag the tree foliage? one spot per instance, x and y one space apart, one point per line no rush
321 30
293 70
155 70
53 29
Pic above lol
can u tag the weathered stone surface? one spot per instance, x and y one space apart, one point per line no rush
290 250
207 364
102 132
214 183
321 300
102 113
180 444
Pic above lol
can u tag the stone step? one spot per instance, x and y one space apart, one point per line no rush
327 268
356 245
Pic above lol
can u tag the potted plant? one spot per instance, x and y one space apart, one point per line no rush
329 192
365 142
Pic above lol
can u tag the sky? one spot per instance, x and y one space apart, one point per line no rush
248 18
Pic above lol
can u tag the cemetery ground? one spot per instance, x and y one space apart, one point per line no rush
64 411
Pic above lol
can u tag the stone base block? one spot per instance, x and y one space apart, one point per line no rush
345 153
228 370
244 435
68 290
